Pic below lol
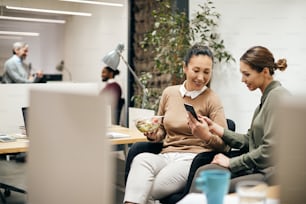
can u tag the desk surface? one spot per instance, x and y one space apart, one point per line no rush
21 145
273 192
273 197
135 135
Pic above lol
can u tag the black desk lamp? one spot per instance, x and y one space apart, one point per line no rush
112 59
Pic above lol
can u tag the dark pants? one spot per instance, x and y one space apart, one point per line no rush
234 180
266 175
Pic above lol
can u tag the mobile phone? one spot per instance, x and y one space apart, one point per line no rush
190 108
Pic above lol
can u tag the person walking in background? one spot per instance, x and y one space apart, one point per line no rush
113 88
255 163
155 176
15 68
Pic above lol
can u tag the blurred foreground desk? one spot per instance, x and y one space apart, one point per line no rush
272 197
21 145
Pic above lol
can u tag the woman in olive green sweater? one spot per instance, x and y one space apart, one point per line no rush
257 67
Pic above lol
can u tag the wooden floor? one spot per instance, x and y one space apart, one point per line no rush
13 173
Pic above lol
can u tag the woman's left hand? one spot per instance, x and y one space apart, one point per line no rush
221 160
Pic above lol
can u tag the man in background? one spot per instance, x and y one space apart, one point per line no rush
113 88
15 68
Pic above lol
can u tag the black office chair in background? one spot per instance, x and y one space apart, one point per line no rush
199 160
7 191
119 110
5 188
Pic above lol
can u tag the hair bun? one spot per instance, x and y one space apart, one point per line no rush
281 64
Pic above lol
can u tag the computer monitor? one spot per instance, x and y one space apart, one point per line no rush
24 111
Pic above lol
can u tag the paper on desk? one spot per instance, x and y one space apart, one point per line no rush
115 135
229 199
7 138
19 136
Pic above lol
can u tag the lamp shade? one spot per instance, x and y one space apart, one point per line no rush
112 58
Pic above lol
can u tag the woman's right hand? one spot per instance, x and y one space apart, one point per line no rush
213 127
198 128
151 136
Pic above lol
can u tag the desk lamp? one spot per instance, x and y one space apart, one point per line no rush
112 59
61 67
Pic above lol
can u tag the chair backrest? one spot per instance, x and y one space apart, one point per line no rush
119 110
231 124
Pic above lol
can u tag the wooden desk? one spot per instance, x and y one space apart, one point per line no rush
135 135
21 145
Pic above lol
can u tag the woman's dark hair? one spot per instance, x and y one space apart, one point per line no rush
259 57
115 72
196 50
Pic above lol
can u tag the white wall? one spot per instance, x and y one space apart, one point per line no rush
45 51
81 42
15 96
276 24
88 40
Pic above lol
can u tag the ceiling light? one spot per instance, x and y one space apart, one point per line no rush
41 20
18 33
8 37
94 2
49 11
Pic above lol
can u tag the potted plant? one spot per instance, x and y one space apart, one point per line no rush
171 35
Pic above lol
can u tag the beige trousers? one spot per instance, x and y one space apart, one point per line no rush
155 176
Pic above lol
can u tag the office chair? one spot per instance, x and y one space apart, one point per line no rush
120 105
5 189
119 110
199 160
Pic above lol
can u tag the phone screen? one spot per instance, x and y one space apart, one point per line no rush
190 108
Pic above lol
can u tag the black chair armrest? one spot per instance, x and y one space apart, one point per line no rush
231 125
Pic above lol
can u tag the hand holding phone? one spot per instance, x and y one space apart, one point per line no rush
190 109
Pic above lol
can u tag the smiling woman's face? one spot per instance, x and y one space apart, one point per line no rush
251 77
198 72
